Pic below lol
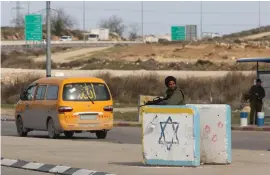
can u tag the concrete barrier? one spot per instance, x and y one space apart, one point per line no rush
215 131
215 127
171 135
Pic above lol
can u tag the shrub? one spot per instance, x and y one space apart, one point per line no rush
230 89
10 93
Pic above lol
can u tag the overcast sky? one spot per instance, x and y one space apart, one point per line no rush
220 17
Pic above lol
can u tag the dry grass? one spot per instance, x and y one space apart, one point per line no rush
26 58
226 90
22 62
10 93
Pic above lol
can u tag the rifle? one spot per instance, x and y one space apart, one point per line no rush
155 101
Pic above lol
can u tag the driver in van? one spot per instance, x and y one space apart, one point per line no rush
174 95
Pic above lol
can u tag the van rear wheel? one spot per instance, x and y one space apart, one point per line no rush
101 134
69 134
20 128
51 130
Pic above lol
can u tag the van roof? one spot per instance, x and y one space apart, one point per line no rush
69 79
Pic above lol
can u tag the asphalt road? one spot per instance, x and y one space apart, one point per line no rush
132 135
16 171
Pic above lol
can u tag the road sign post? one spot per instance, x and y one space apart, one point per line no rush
178 33
33 27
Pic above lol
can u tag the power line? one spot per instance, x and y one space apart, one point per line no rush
169 12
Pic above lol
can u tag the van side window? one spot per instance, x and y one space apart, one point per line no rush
52 92
41 92
30 92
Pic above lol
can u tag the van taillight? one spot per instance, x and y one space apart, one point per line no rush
65 109
108 108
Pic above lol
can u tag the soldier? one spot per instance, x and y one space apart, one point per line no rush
256 94
174 95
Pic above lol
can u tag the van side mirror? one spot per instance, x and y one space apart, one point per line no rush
22 96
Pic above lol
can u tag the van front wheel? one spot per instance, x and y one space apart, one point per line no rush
51 130
20 128
101 134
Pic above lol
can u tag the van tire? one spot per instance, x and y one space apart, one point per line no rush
69 134
51 129
101 134
20 129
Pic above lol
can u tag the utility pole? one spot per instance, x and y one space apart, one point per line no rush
48 39
142 18
28 8
84 20
201 20
259 14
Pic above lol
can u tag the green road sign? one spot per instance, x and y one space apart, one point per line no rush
33 27
178 33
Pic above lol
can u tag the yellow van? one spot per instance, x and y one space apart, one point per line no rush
65 105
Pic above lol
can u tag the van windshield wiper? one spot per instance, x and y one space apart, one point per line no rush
88 94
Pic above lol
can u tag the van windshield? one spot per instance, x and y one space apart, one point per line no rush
84 91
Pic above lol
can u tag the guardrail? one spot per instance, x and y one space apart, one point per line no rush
22 42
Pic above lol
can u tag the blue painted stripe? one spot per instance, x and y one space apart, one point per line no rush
169 162
197 135
243 114
229 132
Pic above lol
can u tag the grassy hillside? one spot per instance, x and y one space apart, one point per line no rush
248 32
12 33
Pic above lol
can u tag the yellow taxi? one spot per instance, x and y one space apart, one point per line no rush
65 105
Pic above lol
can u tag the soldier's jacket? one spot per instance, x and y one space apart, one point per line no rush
256 93
174 97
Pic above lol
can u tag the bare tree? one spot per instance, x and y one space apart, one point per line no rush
114 24
60 21
133 31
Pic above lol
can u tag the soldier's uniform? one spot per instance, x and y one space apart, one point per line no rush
256 94
174 97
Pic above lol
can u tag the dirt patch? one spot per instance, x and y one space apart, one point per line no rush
212 52
169 56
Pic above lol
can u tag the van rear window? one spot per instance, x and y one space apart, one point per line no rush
84 91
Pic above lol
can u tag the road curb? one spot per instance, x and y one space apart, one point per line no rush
49 168
7 119
126 124
234 128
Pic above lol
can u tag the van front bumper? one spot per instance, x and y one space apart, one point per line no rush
108 125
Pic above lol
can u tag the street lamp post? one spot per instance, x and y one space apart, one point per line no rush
48 39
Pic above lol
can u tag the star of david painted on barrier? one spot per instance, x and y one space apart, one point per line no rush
174 139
